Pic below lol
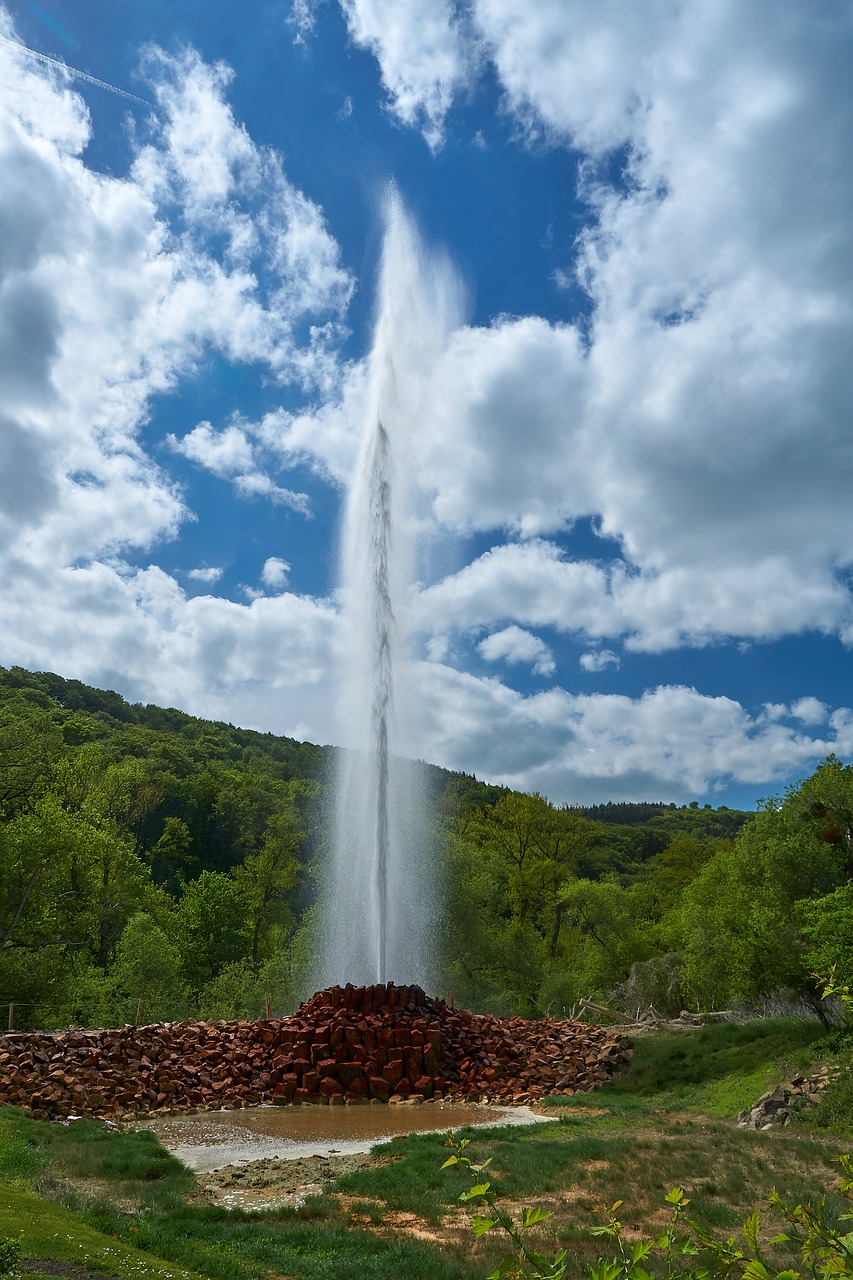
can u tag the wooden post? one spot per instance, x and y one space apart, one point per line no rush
11 1015
452 1005
269 1009
138 1010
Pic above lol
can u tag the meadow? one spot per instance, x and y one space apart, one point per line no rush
95 1202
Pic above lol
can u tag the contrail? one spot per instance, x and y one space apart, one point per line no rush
82 75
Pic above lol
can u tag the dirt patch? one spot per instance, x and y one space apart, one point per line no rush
581 1112
262 1184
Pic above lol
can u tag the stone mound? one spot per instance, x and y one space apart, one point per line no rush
344 1045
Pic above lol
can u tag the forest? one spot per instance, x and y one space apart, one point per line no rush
158 866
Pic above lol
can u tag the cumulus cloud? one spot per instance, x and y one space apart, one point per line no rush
535 583
693 417
599 660
700 417
275 573
425 57
673 742
205 573
112 288
231 455
514 644
810 711
225 453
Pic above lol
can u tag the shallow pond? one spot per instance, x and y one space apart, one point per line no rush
211 1139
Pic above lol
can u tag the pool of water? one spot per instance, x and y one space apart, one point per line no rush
213 1139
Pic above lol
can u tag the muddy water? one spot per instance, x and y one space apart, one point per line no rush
213 1139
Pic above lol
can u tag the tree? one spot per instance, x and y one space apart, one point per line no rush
541 845
266 878
147 969
210 927
740 930
29 743
827 927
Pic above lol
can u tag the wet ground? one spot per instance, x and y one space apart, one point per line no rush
262 1157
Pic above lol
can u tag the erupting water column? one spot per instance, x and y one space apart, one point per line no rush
380 909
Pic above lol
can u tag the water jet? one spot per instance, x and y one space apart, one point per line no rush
381 896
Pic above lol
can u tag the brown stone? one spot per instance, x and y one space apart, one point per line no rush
379 1088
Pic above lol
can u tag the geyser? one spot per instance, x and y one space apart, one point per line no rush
381 907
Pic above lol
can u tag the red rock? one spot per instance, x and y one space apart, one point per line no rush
379 1088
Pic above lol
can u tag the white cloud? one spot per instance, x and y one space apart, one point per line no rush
672 743
515 645
701 419
424 56
535 584
257 485
599 660
231 455
810 711
302 18
275 573
110 294
694 419
205 573
225 453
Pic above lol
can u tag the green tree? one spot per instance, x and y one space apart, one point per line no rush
210 927
147 969
827 927
267 878
740 931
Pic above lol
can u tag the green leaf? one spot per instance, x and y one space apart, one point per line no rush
531 1216
750 1230
448 1163
641 1250
479 1190
480 1225
755 1270
676 1196
604 1270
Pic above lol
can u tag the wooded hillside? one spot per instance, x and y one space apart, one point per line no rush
157 863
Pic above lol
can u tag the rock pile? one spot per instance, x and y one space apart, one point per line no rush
782 1105
345 1045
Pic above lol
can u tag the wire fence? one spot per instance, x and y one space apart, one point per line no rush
24 1015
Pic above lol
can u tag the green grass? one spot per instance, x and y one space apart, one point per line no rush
719 1069
53 1233
122 1206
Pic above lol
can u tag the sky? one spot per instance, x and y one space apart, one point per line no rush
634 480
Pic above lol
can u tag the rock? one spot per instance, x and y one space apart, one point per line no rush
381 1043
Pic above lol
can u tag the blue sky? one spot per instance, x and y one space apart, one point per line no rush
633 482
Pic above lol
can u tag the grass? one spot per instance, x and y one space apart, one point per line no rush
719 1069
54 1234
117 1202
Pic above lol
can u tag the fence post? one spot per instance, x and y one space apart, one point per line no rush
138 1010
11 1015
269 1009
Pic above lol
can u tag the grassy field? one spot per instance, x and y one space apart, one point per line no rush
96 1203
